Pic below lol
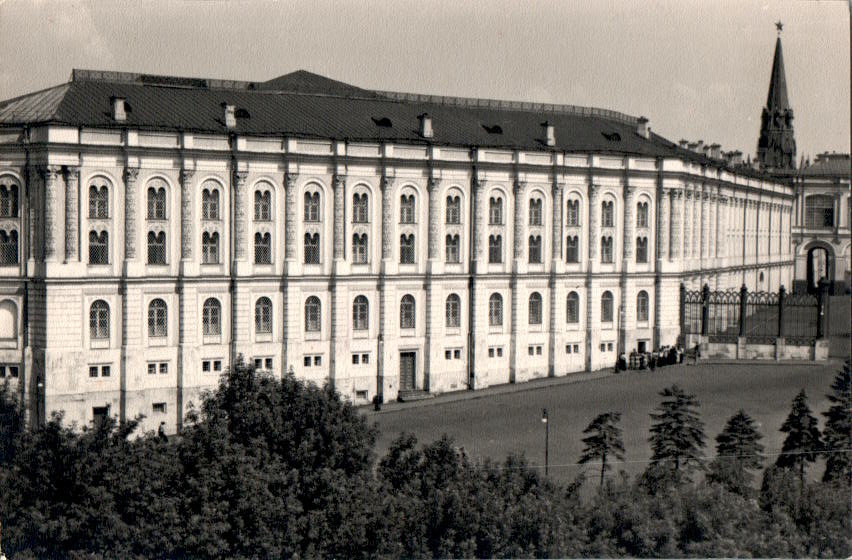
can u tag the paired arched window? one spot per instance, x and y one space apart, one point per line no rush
360 208
642 214
606 249
262 248
535 249
495 310
407 209
8 247
312 207
495 248
156 203
98 202
572 249
572 310
495 211
535 308
641 249
407 317
156 247
262 206
210 248
607 212
406 249
642 306
8 201
453 311
536 217
360 249
312 248
606 307
453 213
99 320
157 318
361 313
263 316
98 247
210 204
572 213
452 247
313 320
211 317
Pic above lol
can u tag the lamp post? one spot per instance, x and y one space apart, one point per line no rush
546 440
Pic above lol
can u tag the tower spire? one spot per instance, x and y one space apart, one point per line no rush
776 149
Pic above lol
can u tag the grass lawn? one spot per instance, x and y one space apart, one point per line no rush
497 425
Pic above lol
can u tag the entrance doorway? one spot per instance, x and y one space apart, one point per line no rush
407 370
820 266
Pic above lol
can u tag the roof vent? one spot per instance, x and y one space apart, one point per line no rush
425 125
715 151
383 122
119 109
736 157
699 146
642 128
493 129
242 114
549 134
230 115
684 144
612 136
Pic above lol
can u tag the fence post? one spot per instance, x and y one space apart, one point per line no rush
822 297
705 298
682 317
782 295
743 300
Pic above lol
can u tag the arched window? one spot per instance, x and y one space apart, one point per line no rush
606 307
572 249
535 308
495 248
98 247
312 207
642 214
156 203
262 248
211 317
606 249
263 316
406 209
406 249
535 249
313 321
453 214
819 211
407 315
312 248
641 249
8 247
572 215
8 201
495 310
210 204
360 209
98 202
8 320
572 311
157 318
99 320
495 211
453 311
452 248
262 206
642 306
210 248
536 218
360 313
607 214
156 247
360 249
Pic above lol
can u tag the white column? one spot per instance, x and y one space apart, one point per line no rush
186 213
72 219
53 214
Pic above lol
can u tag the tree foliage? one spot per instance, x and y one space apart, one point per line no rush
604 441
837 434
738 451
677 438
803 443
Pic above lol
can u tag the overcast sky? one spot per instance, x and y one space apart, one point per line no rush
697 69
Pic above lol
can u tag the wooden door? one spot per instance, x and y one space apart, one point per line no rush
407 370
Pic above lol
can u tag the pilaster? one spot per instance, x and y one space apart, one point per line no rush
338 183
240 215
186 223
663 224
53 212
131 211
677 226
290 218
72 219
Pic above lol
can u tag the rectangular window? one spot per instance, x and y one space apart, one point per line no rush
491 352
453 252
448 354
98 247
317 361
258 363
359 248
152 369
457 354
307 361
499 351
156 247
164 368
572 249
406 249
538 350
641 249
159 408
356 359
217 365
603 347
312 248
531 350
567 348
93 371
576 348
495 249
262 248
535 249
205 366
609 346
267 363
365 358
606 250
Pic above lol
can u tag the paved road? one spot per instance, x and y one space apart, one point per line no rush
498 424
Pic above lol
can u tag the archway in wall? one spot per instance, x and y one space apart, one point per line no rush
820 265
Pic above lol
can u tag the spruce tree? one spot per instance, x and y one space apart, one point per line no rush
677 437
604 441
803 443
738 450
837 435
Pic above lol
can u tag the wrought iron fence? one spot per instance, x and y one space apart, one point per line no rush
801 317
723 316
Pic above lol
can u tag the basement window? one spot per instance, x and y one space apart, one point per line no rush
383 122
493 129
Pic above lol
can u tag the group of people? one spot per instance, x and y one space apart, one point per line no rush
667 355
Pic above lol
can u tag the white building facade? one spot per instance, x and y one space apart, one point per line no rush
140 259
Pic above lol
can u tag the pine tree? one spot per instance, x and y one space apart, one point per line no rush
738 450
677 437
837 435
604 441
803 443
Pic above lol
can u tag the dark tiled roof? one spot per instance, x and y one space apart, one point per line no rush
829 165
